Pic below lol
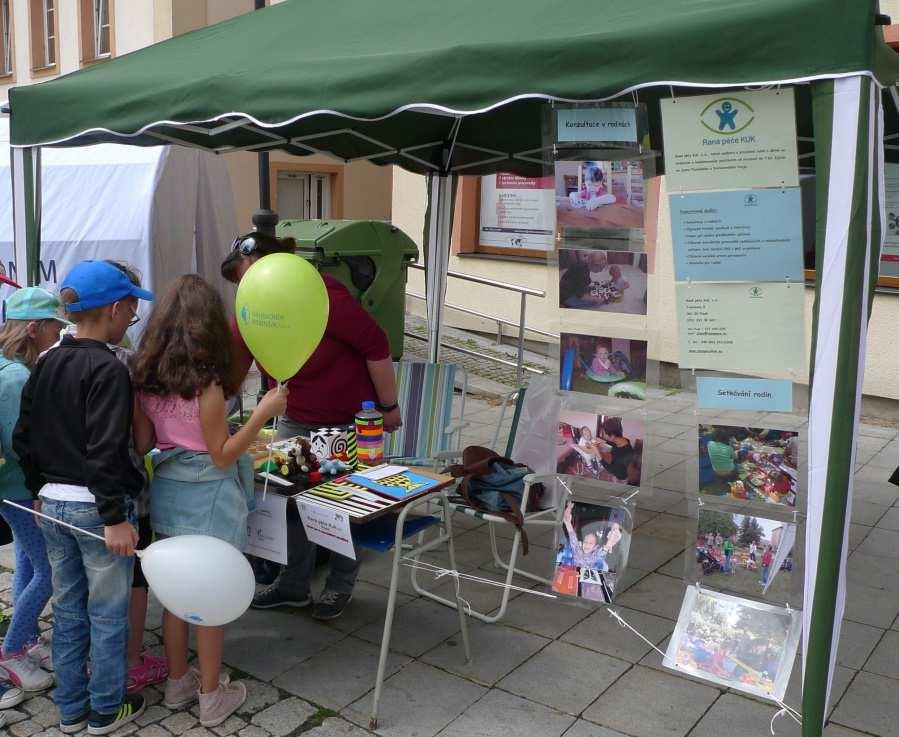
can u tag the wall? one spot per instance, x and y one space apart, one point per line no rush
882 368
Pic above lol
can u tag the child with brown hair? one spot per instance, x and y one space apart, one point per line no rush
202 479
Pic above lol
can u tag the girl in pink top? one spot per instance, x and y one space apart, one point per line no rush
182 373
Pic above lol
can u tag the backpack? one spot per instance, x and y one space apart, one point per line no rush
494 484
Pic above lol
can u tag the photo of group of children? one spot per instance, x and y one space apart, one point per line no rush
600 447
613 367
592 548
749 463
741 644
598 198
604 281
743 553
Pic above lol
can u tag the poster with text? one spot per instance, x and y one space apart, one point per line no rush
742 327
730 141
889 255
517 212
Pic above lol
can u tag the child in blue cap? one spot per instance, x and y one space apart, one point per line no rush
32 325
72 439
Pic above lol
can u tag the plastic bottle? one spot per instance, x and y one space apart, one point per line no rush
370 434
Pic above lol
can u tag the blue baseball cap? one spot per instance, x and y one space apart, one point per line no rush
32 303
98 284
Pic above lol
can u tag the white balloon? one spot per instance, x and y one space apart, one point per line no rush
200 579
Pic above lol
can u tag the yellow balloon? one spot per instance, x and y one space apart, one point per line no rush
282 311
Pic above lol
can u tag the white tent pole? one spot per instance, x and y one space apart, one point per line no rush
440 196
26 188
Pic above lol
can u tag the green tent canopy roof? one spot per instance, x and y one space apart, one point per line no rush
395 81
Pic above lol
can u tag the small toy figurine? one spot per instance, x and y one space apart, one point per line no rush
334 466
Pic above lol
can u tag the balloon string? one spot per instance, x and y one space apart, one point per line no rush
270 452
60 522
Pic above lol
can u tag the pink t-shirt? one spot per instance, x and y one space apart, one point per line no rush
176 421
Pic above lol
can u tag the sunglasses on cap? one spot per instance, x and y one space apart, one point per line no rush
245 244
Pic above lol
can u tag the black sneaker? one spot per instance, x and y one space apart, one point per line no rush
270 598
132 707
331 605
71 726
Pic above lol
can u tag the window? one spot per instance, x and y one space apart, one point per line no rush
96 30
303 196
5 39
44 41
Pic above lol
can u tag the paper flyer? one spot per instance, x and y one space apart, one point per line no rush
517 212
327 527
742 235
737 141
616 124
267 528
742 327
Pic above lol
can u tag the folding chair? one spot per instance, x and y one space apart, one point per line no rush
541 519
425 393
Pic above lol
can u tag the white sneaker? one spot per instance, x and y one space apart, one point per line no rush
217 706
42 654
25 673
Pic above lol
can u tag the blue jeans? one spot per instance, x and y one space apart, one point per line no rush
91 589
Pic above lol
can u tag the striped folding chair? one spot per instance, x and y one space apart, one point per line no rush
430 432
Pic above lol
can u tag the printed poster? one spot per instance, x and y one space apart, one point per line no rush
889 256
517 212
737 235
612 123
741 140
742 327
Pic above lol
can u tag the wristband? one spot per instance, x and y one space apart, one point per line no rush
388 408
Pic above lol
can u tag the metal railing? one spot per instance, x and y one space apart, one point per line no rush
521 326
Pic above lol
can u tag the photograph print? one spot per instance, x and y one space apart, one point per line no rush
599 198
749 463
591 551
745 553
737 643
613 367
602 281
601 447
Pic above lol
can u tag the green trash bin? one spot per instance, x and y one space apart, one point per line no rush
369 256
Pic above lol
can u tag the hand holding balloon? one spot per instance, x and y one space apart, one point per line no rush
274 403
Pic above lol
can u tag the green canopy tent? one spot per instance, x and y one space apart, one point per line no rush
461 88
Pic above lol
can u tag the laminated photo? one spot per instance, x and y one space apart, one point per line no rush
613 367
591 551
736 643
601 447
745 553
602 281
749 463
599 198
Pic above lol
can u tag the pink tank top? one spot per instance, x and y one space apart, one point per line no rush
176 420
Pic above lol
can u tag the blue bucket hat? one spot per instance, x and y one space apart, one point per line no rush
98 284
32 303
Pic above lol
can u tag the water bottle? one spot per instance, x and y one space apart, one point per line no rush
370 435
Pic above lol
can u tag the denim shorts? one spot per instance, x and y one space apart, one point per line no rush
190 495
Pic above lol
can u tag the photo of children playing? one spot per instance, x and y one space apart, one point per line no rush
749 463
594 198
740 552
600 447
605 281
592 551
735 642
614 367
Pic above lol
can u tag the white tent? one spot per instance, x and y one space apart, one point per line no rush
167 210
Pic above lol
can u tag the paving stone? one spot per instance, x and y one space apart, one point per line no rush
885 659
151 696
735 716
417 627
647 703
198 732
26 728
179 722
542 616
418 701
565 677
889 520
369 605
340 674
875 571
500 714
835 730
668 528
602 633
229 726
284 717
869 705
155 713
259 695
37 704
655 499
582 728
252 731
885 459
125 731
655 594
334 727
649 553
51 732
496 651
870 514
14 715
871 606
671 479
870 485
153 730
857 642
481 597
857 535
884 543
47 718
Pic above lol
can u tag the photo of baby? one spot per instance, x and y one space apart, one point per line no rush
606 281
591 552
600 447
613 367
599 198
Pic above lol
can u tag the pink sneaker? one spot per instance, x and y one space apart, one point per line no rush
151 669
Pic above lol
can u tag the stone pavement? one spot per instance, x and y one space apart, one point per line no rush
549 669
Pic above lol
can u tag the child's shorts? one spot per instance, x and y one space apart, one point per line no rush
144 538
